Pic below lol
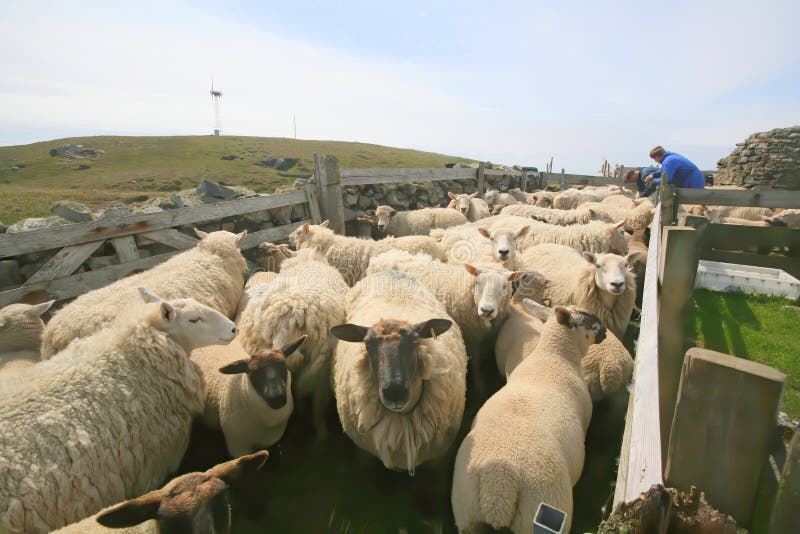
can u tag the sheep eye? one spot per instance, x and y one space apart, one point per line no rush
195 320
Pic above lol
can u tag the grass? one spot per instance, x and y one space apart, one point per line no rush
150 166
754 327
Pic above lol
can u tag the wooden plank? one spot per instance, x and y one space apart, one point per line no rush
64 263
723 429
270 234
790 265
75 234
171 238
766 198
739 237
77 284
481 179
622 465
313 203
125 248
498 172
390 176
668 204
784 515
678 271
644 432
326 170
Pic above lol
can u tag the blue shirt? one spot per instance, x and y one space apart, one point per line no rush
680 172
644 172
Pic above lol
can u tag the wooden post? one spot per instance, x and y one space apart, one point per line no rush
481 179
326 169
784 516
677 271
667 203
563 180
723 427
523 180
313 203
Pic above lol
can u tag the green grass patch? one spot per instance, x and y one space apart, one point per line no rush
154 166
755 327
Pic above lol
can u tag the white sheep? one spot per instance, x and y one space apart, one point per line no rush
522 196
526 445
637 217
471 244
273 256
248 397
572 198
790 218
543 199
351 255
21 330
400 371
595 236
580 215
750 213
107 418
416 222
306 298
493 197
476 297
600 283
212 273
472 208
621 201
255 285
194 503
637 242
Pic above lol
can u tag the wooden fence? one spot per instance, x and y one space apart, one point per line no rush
674 252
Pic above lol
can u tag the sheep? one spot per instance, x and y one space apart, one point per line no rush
389 221
471 207
475 297
740 212
194 503
522 196
477 245
560 217
253 286
400 371
351 255
790 218
572 198
600 283
307 297
595 236
713 215
620 201
211 273
21 329
526 445
273 257
107 418
543 199
637 217
638 243
248 397
493 197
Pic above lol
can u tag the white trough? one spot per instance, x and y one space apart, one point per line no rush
719 276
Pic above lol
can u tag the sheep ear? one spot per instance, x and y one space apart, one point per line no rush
516 275
241 235
370 212
132 512
39 309
471 270
167 311
233 469
148 296
536 310
590 257
234 368
485 233
266 245
325 223
201 234
473 195
451 195
306 229
286 251
523 231
633 257
289 348
563 316
393 212
349 332
620 224
432 327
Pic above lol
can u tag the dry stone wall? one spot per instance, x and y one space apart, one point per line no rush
764 159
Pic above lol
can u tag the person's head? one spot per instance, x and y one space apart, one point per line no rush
658 153
631 175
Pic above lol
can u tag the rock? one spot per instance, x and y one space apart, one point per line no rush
81 167
229 157
350 199
299 212
228 227
211 189
117 210
100 262
765 158
282 215
256 217
284 164
15 168
2 228
365 202
181 201
36 223
72 211
10 275
147 209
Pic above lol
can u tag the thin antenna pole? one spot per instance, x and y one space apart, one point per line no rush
294 120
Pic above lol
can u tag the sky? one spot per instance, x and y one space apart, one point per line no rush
509 82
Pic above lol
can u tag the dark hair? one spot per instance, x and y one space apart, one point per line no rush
657 152
628 175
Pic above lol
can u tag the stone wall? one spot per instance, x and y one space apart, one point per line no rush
766 159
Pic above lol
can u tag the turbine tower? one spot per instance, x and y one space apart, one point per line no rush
215 96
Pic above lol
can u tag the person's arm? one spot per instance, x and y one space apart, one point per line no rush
669 166
656 177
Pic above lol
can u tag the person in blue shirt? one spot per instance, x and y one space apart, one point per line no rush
638 176
680 171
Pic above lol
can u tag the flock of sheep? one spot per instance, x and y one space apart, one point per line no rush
384 328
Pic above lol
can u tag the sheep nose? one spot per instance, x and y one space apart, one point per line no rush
463 210
486 311
618 285
503 253
395 394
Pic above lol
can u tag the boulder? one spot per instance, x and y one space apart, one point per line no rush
229 157
117 210
210 189
72 211
36 223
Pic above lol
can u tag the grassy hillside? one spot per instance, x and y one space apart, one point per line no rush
134 167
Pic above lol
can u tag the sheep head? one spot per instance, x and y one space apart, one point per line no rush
612 273
462 201
392 347
21 326
492 289
587 326
504 242
383 215
194 502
